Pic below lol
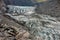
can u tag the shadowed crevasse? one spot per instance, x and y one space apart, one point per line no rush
19 2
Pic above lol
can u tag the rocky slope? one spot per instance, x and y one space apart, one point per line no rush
49 7
10 30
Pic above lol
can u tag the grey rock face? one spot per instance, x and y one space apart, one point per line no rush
50 7
10 30
2 7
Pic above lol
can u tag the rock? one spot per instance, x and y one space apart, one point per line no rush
2 7
50 7
23 35
8 29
